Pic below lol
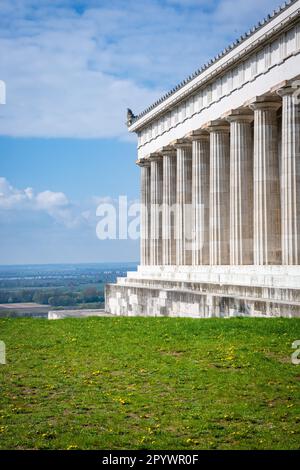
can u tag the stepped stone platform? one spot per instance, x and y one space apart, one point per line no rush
207 291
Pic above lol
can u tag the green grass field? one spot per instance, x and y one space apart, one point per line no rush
149 383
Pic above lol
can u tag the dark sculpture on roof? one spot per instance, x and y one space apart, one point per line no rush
130 117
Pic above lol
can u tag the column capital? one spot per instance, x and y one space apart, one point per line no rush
288 90
239 115
155 157
287 85
265 102
181 143
142 162
168 150
199 134
218 125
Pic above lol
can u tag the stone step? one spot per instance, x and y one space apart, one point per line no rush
137 299
213 294
262 276
238 291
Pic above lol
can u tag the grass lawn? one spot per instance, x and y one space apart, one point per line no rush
149 383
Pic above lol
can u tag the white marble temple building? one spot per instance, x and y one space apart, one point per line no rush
220 185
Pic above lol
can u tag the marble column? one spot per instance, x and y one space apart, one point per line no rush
200 196
169 206
183 231
156 209
219 192
241 187
144 164
290 176
267 240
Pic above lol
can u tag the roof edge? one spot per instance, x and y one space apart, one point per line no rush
132 119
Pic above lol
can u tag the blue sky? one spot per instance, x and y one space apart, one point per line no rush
71 69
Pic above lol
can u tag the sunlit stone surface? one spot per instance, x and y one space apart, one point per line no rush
220 176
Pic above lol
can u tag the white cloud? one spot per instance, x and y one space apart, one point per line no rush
49 200
55 204
11 197
71 72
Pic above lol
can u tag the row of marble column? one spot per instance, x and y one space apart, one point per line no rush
228 193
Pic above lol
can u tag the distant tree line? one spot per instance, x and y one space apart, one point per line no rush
49 282
54 297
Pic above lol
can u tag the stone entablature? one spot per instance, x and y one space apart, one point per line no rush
258 32
256 58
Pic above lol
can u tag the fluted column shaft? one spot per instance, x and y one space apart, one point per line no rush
267 249
241 188
169 207
290 177
184 204
200 198
156 213
219 193
145 211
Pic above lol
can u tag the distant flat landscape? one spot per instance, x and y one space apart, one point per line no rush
36 289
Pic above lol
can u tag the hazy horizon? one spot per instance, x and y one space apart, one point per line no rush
72 264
